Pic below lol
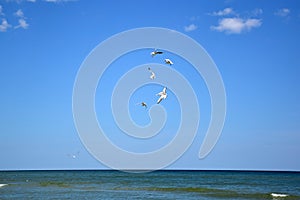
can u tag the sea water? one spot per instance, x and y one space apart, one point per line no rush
106 184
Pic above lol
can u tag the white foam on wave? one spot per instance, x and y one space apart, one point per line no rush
278 195
2 185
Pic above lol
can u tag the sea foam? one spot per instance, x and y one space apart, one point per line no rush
278 195
2 185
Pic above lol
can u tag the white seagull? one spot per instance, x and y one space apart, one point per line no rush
168 61
155 52
162 95
152 76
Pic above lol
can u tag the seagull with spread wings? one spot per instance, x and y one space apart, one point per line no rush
155 52
162 95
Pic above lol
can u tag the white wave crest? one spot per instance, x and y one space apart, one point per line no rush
278 195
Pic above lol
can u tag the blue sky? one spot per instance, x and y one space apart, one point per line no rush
255 45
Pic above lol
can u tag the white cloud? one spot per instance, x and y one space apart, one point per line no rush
19 13
189 28
4 25
22 24
226 11
231 22
283 12
236 25
22 20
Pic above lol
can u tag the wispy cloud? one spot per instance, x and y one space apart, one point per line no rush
226 11
19 13
236 25
190 28
4 25
22 21
284 12
22 24
257 12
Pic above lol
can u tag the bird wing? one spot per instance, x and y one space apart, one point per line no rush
159 100
164 90
160 94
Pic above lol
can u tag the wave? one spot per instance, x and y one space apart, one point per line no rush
213 192
278 195
2 185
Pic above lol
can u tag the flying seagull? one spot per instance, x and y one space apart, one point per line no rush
162 95
168 61
143 104
152 76
155 52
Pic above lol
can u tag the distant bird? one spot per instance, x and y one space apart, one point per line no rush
168 61
152 76
143 104
162 95
155 52
74 156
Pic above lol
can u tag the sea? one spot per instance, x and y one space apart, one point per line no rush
165 184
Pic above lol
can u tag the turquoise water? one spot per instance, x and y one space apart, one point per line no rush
152 185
